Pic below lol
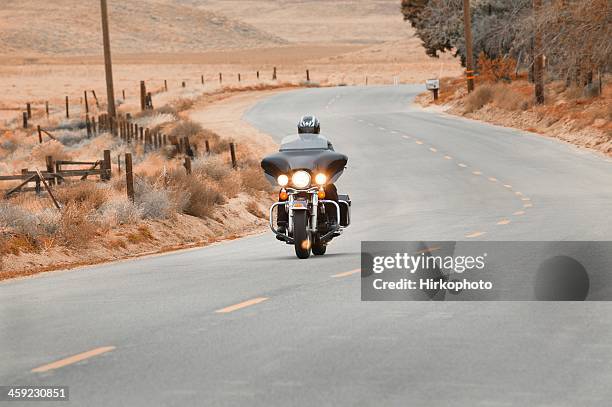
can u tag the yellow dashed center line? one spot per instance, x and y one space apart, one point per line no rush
382 128
508 186
526 199
346 273
448 157
527 205
517 193
406 137
462 165
73 359
241 305
492 179
419 142
503 222
428 250
474 234
477 173
518 213
433 150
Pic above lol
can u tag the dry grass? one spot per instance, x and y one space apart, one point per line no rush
142 235
253 208
87 193
482 95
77 228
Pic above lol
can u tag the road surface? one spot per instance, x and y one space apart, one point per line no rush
246 323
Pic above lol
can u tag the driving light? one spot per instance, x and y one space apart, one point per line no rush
300 179
321 179
321 194
282 180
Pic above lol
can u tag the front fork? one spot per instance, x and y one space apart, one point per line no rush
313 202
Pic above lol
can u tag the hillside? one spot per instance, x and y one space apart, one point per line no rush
72 27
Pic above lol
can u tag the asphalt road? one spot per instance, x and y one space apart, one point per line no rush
300 334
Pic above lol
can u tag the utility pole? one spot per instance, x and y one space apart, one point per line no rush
538 56
108 65
469 53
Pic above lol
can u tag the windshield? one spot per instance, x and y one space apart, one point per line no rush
305 142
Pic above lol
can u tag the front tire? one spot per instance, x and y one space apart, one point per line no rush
301 237
318 248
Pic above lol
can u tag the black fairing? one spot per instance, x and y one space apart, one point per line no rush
314 161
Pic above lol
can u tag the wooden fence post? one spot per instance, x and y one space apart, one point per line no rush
187 146
220 78
119 163
86 103
166 85
183 83
106 174
257 75
202 77
238 77
274 74
47 109
50 168
129 177
233 155
25 120
164 140
187 165
123 94
88 125
29 110
143 95
94 126
39 134
67 109
307 75
207 146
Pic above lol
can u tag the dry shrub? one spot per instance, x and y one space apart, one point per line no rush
82 192
482 95
505 98
10 141
18 220
18 244
120 211
76 226
182 104
253 208
51 147
214 168
202 194
186 128
494 70
155 204
253 179
143 234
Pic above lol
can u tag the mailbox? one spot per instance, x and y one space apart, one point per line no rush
432 84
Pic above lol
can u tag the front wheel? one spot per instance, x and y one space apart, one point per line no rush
318 247
301 236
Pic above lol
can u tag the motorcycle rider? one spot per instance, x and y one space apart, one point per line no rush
309 124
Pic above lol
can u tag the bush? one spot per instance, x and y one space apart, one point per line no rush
255 180
214 168
120 211
482 95
76 227
186 128
496 69
18 220
82 192
155 204
505 98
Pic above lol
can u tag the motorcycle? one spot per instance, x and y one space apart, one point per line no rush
305 166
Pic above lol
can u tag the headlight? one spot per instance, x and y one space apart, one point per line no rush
282 180
300 179
321 179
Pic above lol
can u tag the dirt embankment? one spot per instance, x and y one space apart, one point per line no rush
98 224
570 114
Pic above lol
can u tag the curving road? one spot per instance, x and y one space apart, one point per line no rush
244 322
